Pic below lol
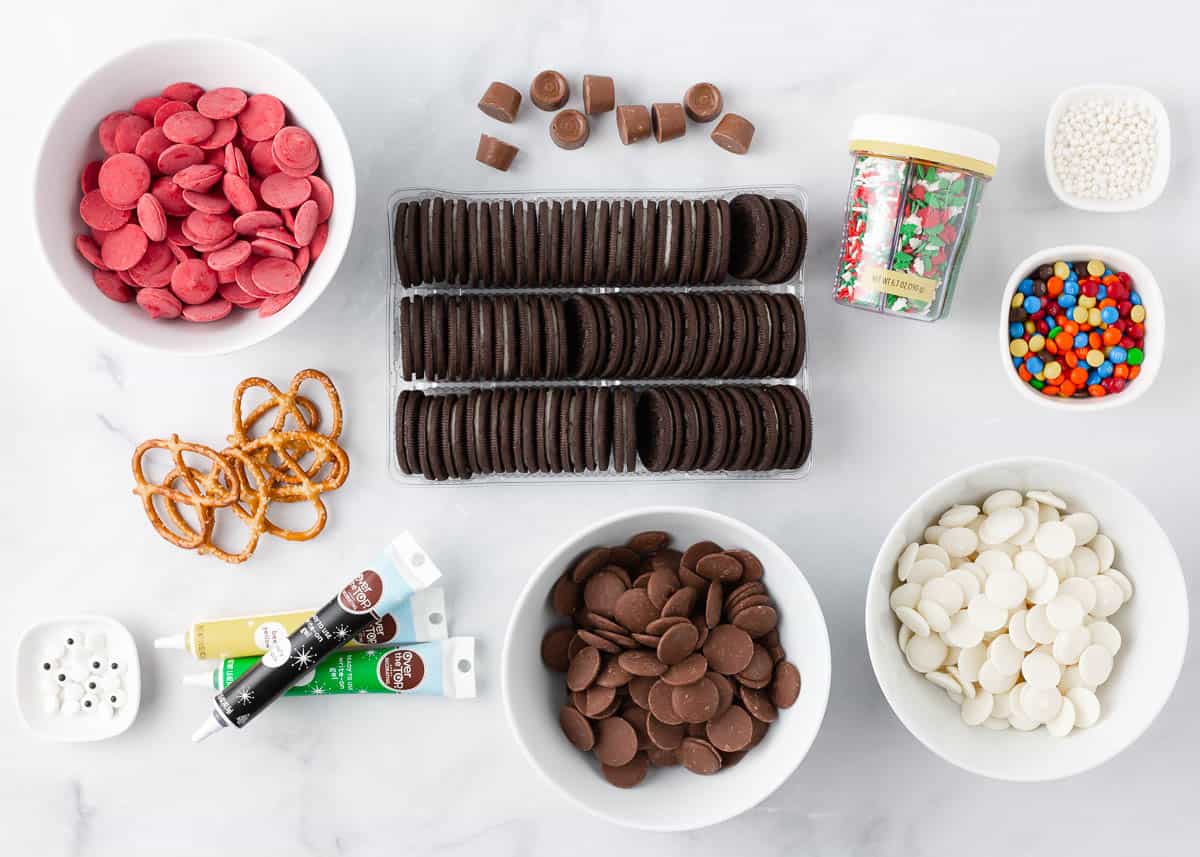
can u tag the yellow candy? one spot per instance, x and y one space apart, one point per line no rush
1017 300
1080 314
1037 343
1030 327
1095 357
1018 348
1093 316
1086 302
1041 376
1137 314
1095 267
1053 370
1062 270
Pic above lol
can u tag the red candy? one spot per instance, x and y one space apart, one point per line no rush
205 201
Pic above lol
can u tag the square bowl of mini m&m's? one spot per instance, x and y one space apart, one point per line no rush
1082 327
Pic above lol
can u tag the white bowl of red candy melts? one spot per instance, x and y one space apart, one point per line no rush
186 194
1102 635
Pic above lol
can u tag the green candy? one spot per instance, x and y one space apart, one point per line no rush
1135 357
1036 384
1054 331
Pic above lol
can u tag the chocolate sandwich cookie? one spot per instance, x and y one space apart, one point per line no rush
422 224
461 248
405 398
520 259
589 240
449 259
700 242
551 430
641 332
666 262
398 245
687 240
437 239
714 331
656 429
751 237
529 236
619 227
712 244
600 252
506 241
759 328
578 243
481 217
775 240
584 347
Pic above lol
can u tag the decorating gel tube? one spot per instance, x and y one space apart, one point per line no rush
440 668
419 619
402 569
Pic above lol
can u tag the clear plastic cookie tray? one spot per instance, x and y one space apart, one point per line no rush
397 292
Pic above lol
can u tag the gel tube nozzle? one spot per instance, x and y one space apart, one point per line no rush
402 569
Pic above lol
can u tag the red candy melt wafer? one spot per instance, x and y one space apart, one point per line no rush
148 106
322 194
151 145
238 192
98 214
152 217
295 151
124 248
171 197
283 191
199 177
262 117
211 310
307 220
188 126
179 156
222 103
262 161
223 132
159 303
228 258
107 131
89 179
90 250
275 303
208 227
276 276
183 91
111 287
169 109
123 178
271 249
209 203
154 269
193 282
129 129
252 221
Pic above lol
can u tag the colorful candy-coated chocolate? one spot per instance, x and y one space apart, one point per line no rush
1077 329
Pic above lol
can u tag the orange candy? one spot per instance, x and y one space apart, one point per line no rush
1049 390
1121 370
1095 341
1078 376
1024 373
1054 286
1070 327
1111 336
1067 389
1134 371
1097 391
1064 341
1072 360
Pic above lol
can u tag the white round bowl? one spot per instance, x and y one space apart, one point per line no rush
1162 160
669 799
70 142
1156 324
1153 625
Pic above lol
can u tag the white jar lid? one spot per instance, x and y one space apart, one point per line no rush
925 139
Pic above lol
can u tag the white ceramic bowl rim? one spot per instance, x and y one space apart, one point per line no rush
882 570
331 139
1156 332
534 588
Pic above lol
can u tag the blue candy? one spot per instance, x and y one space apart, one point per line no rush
1017 361
1032 304
1105 369
1117 354
1035 365
1135 298
1071 288
1016 330
1101 293
1066 301
1093 378
1109 314
1026 287
1081 340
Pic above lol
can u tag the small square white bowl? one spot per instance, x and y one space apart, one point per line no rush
1162 158
30 686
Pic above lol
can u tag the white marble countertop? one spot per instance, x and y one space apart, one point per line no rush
898 405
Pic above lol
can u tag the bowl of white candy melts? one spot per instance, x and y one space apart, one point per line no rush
1027 619
1107 148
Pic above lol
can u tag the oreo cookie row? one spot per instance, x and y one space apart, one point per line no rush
497 338
597 429
550 430
660 335
618 242
723 428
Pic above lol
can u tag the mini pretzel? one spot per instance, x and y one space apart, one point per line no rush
285 405
201 491
284 445
259 498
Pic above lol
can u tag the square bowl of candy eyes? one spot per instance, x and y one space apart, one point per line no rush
1107 148
1082 328
78 678
1027 619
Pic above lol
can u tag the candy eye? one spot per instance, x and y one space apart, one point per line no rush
116 666
73 639
88 702
49 665
96 664
116 698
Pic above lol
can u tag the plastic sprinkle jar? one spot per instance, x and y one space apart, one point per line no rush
915 187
